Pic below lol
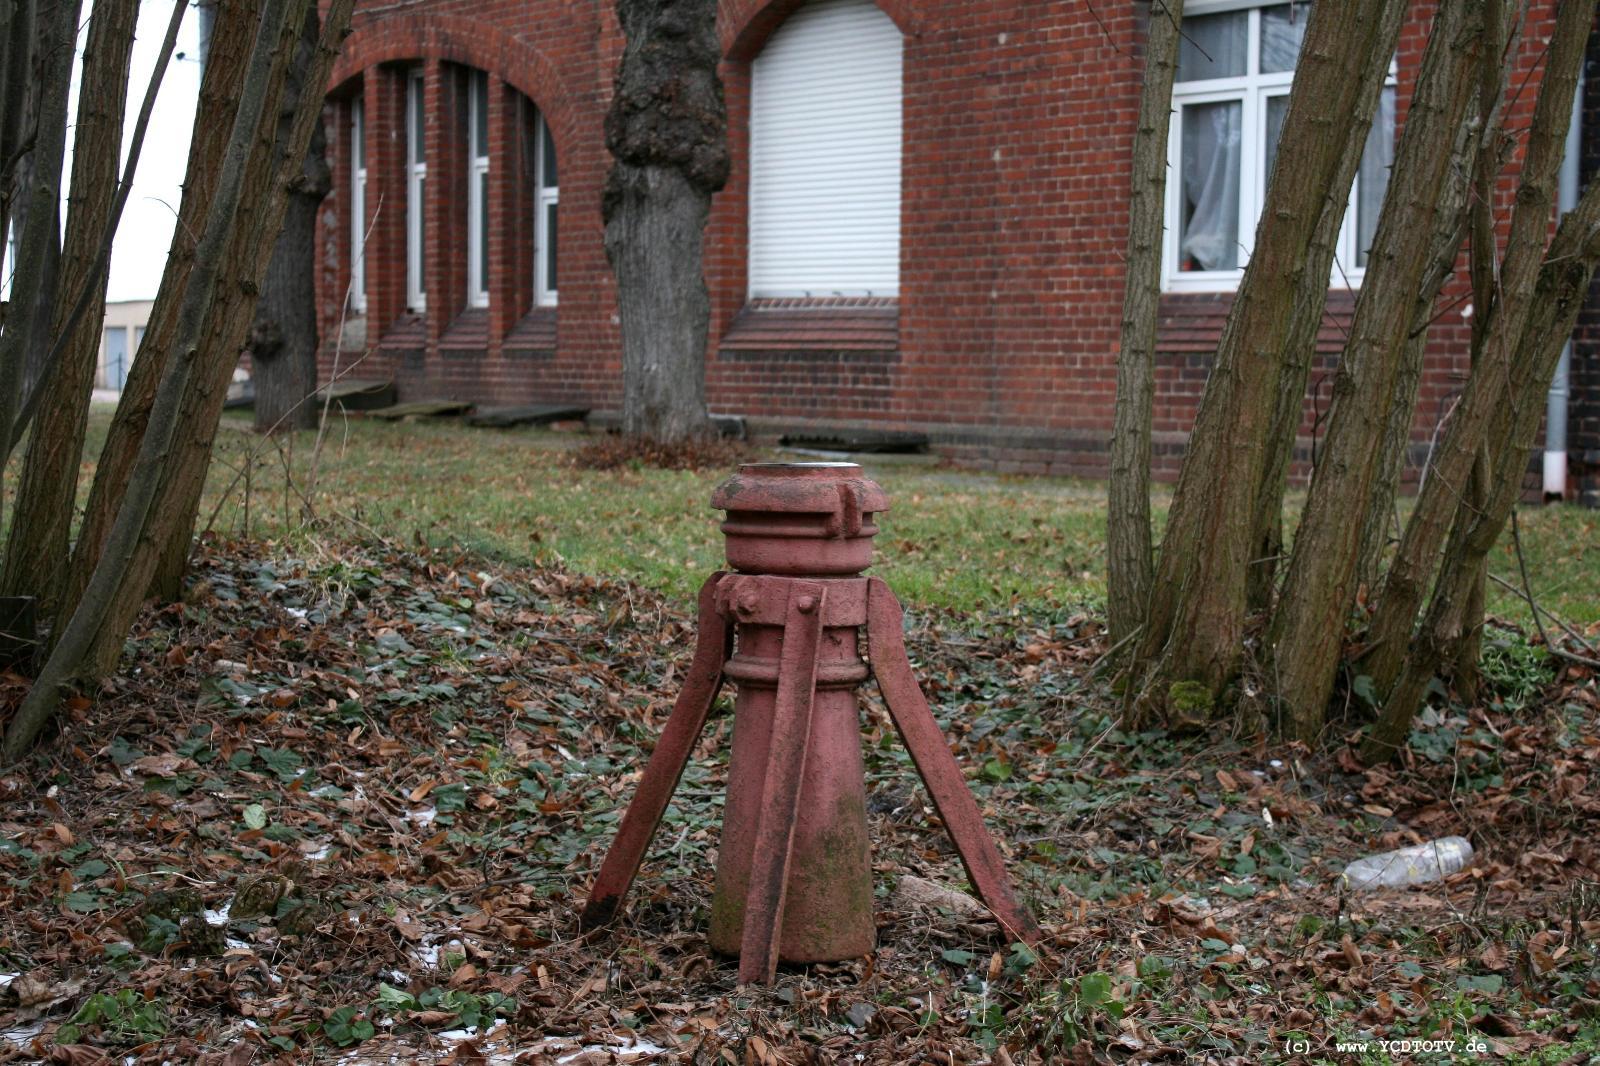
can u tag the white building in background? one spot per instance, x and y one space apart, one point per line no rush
119 341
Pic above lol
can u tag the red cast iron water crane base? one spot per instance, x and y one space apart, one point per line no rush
794 876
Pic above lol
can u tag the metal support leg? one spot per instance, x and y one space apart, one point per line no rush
920 733
666 763
780 791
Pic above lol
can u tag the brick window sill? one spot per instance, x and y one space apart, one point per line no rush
867 324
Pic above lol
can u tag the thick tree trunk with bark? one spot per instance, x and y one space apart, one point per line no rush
36 551
1300 349
1306 636
667 132
1128 552
1411 573
1194 629
283 340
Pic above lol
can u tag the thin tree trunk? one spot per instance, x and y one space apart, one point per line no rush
1557 299
41 232
283 341
37 547
18 34
273 168
1300 349
1484 134
219 99
667 132
1415 561
277 165
110 581
1194 628
1449 229
1129 562
1306 636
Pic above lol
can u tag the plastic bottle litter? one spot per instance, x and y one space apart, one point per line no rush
1416 865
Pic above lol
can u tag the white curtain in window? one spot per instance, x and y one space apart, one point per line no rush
1283 27
1373 181
1211 141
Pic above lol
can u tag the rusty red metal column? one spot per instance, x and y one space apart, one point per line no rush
794 876
795 531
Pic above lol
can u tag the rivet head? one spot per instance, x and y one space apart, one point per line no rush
807 604
748 600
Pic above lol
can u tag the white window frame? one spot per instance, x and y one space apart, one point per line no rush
358 207
416 186
477 187
545 198
1251 90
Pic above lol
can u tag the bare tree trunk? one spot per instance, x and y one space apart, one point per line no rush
1557 298
219 99
110 581
1129 562
1300 349
1195 625
1413 568
283 341
1482 265
17 33
268 172
667 132
1379 515
37 547
1306 637
39 242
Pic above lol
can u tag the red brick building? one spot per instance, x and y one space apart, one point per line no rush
923 229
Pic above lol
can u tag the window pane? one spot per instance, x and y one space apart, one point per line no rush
1277 107
422 235
1214 46
483 232
138 337
1373 179
547 146
550 246
1283 28
419 144
480 113
358 139
1208 235
116 362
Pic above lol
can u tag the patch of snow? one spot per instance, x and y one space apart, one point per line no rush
423 817
234 943
7 978
633 1049
23 1035
219 917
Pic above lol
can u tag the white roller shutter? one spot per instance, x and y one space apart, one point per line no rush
825 154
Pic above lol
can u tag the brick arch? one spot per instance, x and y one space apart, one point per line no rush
468 42
746 24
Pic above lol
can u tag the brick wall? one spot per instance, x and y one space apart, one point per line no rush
1018 124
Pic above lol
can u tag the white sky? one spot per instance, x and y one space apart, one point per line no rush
139 253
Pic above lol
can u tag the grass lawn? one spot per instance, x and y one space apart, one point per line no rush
956 539
952 538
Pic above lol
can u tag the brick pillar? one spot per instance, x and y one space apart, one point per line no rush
510 211
445 98
383 98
